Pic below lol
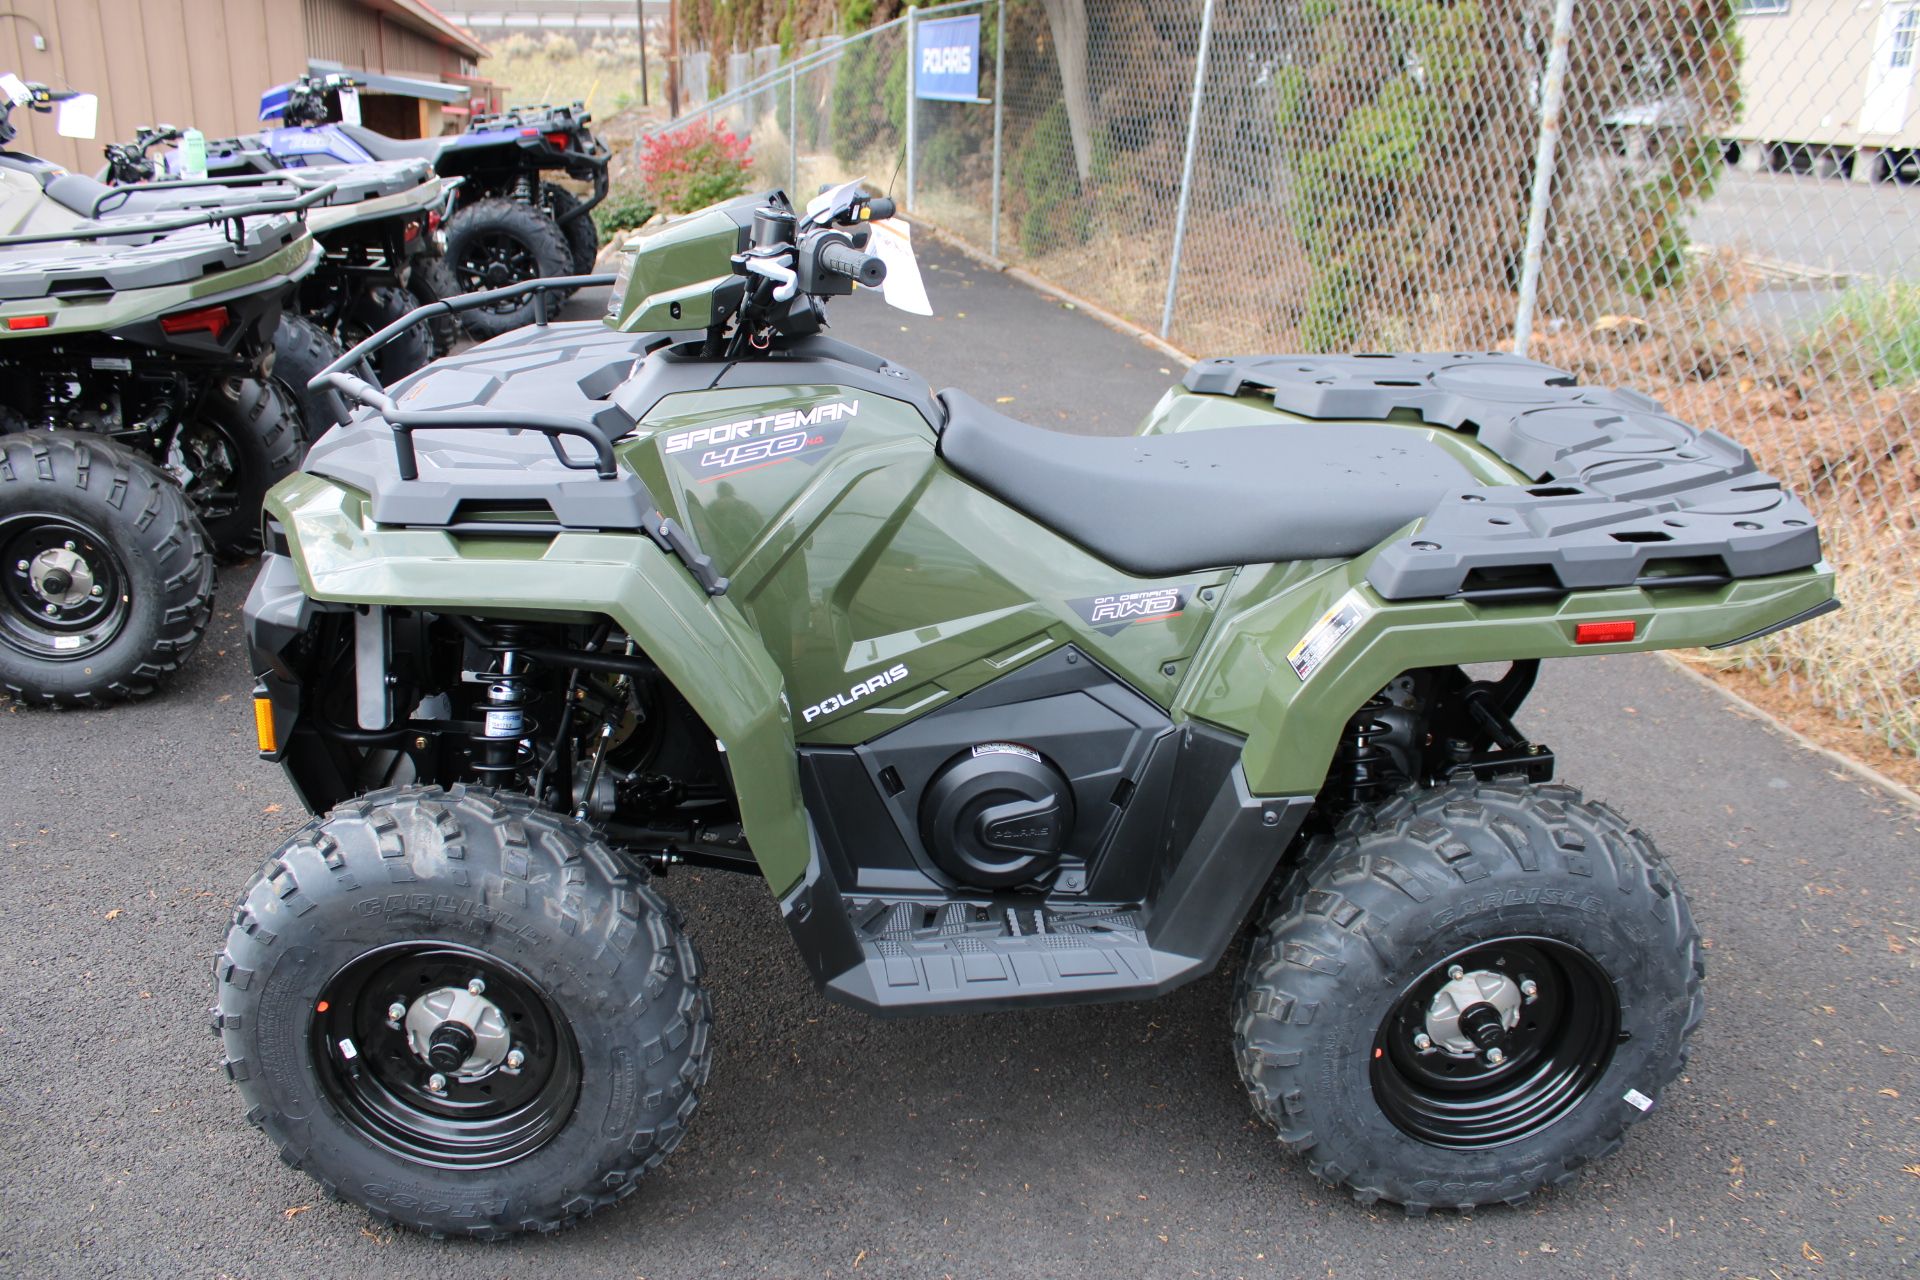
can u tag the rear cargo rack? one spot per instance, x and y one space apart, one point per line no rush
1615 491
233 218
630 506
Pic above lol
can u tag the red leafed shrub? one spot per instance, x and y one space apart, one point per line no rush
694 166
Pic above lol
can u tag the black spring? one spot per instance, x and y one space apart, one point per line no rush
1368 766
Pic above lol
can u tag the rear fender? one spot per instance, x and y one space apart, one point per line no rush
1245 677
702 644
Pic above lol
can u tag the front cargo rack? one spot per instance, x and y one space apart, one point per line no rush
612 500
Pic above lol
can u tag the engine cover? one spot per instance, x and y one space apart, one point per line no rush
997 815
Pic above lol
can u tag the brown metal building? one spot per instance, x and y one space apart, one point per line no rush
204 63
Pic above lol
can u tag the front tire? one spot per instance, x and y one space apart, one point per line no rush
495 243
406 899
302 349
1578 985
373 310
246 438
107 583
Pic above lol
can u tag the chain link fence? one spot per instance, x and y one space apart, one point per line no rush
1716 202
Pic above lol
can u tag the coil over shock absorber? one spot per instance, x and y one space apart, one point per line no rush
499 748
1367 766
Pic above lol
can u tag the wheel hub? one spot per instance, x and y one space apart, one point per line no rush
1473 1012
61 576
458 1032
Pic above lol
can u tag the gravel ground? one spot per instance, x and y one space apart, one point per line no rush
1099 1141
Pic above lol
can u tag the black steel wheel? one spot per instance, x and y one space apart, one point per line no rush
1465 994
1523 1049
64 587
509 1071
495 243
107 582
462 1011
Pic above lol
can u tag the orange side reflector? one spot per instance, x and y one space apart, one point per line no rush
1604 632
263 726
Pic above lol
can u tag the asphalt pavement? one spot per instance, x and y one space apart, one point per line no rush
1103 1141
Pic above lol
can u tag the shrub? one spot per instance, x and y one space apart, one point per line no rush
519 45
622 210
1876 328
694 166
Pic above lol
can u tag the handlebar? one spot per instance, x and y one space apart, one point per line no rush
861 268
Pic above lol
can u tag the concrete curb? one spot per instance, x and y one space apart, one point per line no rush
1862 770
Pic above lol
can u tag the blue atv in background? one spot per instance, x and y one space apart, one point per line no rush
509 222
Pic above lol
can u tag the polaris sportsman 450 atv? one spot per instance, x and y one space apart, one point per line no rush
1004 718
141 421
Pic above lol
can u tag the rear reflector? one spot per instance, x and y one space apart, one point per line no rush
211 320
558 139
263 725
1604 632
28 322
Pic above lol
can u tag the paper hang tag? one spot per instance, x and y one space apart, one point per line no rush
15 88
892 243
349 105
826 198
77 117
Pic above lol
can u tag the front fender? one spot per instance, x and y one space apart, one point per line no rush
702 644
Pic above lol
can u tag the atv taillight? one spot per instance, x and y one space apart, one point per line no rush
28 322
412 233
1605 632
211 320
558 139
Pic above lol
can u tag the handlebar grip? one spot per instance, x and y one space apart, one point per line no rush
863 268
880 208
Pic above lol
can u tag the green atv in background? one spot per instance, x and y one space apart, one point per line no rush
139 423
1003 717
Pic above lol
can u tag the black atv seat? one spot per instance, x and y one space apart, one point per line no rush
381 147
1160 505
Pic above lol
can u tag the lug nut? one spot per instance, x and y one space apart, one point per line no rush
436 1083
395 1012
1455 972
1422 1041
1496 1056
22 566
68 544
476 986
97 590
515 1059
1529 988
50 610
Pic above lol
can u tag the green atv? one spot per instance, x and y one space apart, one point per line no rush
1004 717
140 425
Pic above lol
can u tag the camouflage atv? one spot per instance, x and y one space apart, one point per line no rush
1003 717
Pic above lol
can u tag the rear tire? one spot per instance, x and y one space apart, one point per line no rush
134 537
582 236
247 440
302 349
1514 884
495 243
373 310
402 898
